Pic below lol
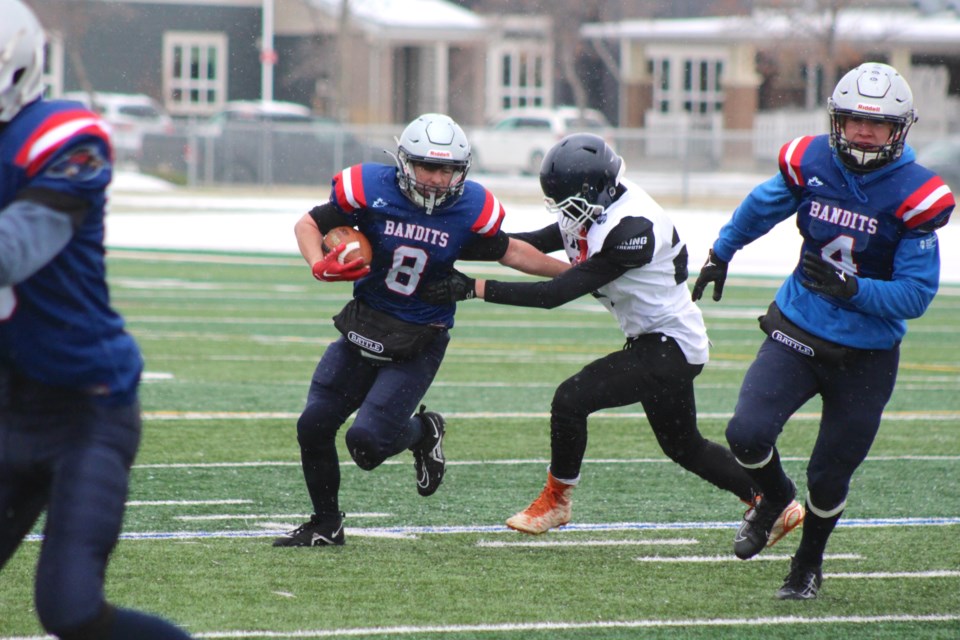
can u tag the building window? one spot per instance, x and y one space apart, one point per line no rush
194 72
687 84
523 80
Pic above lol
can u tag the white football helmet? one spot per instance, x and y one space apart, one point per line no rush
432 138
872 91
21 58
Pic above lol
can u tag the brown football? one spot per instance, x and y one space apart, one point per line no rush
357 244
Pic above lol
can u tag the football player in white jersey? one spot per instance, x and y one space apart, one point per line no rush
626 252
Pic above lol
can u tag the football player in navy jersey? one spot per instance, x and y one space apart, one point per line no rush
420 216
627 253
69 415
868 214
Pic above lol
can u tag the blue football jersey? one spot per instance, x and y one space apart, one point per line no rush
879 226
57 326
410 247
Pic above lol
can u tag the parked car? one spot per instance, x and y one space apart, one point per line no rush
130 116
943 157
518 140
260 142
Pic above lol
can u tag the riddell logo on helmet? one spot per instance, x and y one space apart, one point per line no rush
434 153
868 107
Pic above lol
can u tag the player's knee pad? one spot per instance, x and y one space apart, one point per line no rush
748 443
569 399
96 629
364 448
316 426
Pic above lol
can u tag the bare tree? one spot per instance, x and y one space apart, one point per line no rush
815 40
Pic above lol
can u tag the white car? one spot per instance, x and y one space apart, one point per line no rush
518 140
130 116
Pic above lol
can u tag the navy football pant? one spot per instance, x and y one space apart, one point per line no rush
384 394
655 373
69 455
781 380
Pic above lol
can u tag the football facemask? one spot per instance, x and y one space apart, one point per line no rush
574 214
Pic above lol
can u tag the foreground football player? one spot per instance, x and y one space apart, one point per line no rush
69 372
870 260
420 216
628 254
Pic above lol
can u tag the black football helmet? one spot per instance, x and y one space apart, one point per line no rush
579 177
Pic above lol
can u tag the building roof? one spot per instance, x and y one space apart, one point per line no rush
881 27
409 19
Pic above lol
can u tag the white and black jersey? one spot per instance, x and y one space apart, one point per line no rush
631 259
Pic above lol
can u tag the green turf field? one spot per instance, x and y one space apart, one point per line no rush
230 342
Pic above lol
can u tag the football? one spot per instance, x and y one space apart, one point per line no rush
357 245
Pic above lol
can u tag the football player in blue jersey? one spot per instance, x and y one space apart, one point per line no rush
69 372
626 252
420 216
868 215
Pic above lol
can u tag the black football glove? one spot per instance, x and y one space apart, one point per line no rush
454 288
827 279
713 270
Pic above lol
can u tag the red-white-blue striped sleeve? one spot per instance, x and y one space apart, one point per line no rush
926 203
54 133
791 155
348 189
490 218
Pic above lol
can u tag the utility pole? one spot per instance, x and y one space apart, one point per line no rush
268 57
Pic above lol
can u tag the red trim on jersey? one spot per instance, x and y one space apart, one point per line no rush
926 203
348 189
791 155
94 128
490 218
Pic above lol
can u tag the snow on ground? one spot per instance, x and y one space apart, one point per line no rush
151 214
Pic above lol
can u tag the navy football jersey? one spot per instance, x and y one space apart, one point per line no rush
57 326
879 226
410 247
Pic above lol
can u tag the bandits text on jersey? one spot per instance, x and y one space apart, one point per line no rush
413 231
843 217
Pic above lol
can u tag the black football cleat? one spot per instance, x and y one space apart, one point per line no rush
316 532
428 459
802 583
765 523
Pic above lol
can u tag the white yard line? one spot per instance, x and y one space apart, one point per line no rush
521 627
551 544
893 416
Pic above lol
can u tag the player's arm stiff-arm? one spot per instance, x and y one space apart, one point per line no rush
575 282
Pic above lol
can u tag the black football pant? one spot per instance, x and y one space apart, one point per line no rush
71 455
653 371
780 381
385 396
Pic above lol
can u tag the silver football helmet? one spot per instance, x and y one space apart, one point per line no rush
21 58
436 139
873 91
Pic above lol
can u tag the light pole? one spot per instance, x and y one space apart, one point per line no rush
268 57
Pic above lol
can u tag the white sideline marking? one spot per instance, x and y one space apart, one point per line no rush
587 543
415 531
891 574
892 416
158 503
712 559
476 463
565 626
